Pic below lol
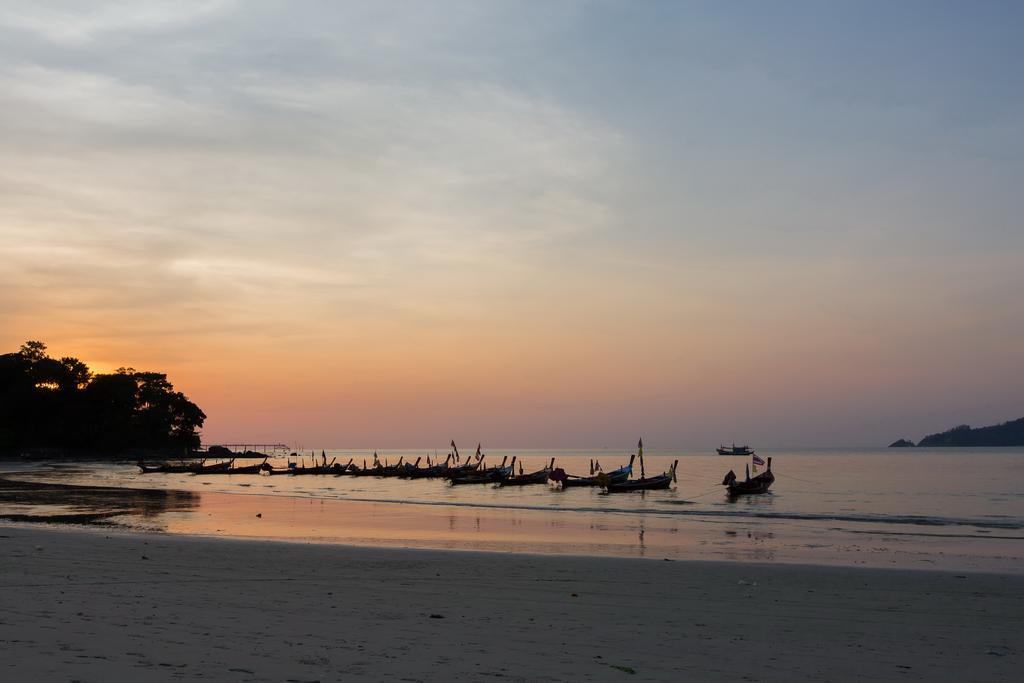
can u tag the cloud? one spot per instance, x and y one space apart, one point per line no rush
74 23
285 189
574 200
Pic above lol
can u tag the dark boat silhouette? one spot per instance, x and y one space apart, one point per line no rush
565 480
759 484
644 483
490 475
538 477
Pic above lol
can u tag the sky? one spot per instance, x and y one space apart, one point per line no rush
531 224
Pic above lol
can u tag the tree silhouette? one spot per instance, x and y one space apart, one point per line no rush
46 402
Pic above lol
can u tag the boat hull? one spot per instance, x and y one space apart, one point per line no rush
539 477
165 469
332 469
213 469
756 486
615 476
660 482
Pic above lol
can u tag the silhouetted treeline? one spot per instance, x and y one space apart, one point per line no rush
59 403
1006 434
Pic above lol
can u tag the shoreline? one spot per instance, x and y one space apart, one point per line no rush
102 606
147 535
743 536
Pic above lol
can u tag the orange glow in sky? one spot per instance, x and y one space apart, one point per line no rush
399 227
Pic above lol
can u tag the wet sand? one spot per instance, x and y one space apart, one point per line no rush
744 535
94 604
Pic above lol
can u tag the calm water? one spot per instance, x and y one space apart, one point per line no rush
948 508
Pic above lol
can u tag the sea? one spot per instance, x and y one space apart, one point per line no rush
957 509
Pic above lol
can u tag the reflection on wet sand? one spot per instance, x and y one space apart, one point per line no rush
580 531
26 501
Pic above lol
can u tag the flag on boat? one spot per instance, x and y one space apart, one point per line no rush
640 448
758 461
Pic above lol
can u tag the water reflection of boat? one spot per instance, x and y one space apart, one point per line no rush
734 450
758 484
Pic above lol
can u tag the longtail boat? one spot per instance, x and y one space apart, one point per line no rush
323 468
468 468
406 470
317 469
214 468
377 469
491 475
644 483
538 477
165 468
750 486
391 470
244 469
559 476
734 450
332 468
661 481
430 471
364 471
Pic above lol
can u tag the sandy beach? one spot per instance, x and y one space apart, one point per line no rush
97 605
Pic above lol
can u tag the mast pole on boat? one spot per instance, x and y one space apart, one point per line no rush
640 454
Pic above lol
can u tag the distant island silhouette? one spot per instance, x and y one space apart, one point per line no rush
1006 434
59 407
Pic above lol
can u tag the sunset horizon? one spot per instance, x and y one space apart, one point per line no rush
464 340
514 224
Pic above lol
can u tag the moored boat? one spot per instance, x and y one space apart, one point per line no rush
661 481
644 483
391 470
214 468
749 486
734 450
431 471
378 468
165 468
244 469
538 477
323 468
407 470
490 475
560 477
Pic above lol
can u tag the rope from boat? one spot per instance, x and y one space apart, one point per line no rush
706 493
790 476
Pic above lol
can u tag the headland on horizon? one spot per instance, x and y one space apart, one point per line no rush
1002 435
